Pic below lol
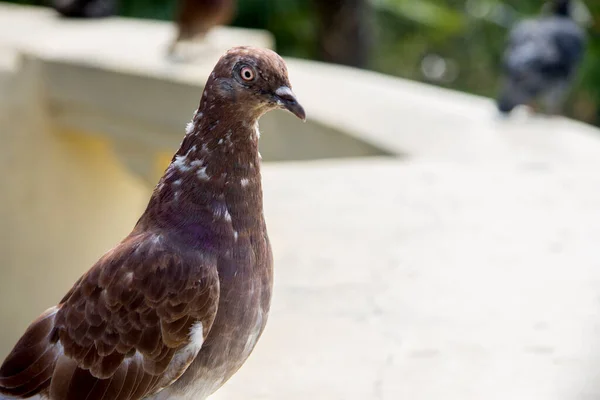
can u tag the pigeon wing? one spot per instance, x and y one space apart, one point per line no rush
128 328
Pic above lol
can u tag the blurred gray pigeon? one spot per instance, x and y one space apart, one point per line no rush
541 59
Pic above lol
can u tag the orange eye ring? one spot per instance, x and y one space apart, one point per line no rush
247 74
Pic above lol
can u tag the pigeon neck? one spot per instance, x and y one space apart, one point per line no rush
211 192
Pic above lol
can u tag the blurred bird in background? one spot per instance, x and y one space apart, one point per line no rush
541 59
194 19
345 31
85 8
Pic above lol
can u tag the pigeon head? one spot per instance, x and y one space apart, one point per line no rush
219 160
256 78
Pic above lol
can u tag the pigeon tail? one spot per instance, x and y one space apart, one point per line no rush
504 105
30 365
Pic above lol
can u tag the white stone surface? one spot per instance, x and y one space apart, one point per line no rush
430 281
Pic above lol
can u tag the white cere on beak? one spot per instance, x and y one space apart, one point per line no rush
284 91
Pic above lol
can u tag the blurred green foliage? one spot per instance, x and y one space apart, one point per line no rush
459 42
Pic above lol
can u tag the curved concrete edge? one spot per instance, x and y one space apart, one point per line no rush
427 121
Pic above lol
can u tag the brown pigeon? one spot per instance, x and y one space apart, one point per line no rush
174 310
195 18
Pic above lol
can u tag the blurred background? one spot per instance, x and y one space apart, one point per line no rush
457 44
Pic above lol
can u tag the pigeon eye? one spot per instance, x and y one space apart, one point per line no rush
247 74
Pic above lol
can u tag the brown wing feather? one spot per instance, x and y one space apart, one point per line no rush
123 331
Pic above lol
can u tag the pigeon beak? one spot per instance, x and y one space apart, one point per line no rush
287 99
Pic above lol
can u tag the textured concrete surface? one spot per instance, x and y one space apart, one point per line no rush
430 281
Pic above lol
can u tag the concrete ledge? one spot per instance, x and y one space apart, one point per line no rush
424 121
428 280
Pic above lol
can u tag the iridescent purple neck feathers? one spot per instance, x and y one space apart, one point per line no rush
212 187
